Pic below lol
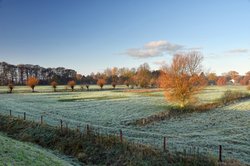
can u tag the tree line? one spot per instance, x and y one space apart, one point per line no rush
181 79
19 74
141 77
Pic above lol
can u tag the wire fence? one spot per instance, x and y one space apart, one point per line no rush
154 140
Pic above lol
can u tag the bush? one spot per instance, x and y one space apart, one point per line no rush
248 87
230 96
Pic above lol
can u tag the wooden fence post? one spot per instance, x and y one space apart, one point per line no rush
87 129
24 116
61 122
66 127
78 128
121 136
41 119
164 143
220 153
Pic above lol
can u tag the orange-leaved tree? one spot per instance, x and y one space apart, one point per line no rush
87 86
126 83
212 78
113 84
222 81
32 82
181 80
153 82
54 85
11 87
101 82
72 84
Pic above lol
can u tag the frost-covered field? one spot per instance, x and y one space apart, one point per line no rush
109 111
14 152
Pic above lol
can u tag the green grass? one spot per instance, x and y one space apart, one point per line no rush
14 152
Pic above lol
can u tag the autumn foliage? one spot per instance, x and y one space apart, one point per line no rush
101 82
87 86
222 81
54 85
182 80
11 87
248 87
126 83
32 82
72 85
113 84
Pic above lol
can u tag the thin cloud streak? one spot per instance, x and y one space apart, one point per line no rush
238 51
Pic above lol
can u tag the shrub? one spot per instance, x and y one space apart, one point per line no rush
248 87
230 96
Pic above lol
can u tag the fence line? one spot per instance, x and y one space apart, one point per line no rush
106 131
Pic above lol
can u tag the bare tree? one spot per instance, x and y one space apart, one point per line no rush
143 75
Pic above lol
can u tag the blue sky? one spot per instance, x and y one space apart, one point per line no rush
91 35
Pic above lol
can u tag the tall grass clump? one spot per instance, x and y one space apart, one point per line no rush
232 96
248 87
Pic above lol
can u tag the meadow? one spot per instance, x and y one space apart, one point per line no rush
108 111
14 152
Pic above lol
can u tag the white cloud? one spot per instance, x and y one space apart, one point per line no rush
154 49
238 51
195 48
161 63
143 53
